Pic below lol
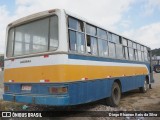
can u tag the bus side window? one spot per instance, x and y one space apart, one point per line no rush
80 42
109 36
131 54
76 35
126 52
88 44
145 56
130 44
135 54
139 56
92 45
72 40
142 56
103 47
115 38
91 30
112 50
119 51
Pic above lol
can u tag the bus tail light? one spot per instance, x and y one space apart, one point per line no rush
84 78
46 56
58 90
11 81
6 88
109 76
43 81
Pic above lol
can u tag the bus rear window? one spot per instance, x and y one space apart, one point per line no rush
34 37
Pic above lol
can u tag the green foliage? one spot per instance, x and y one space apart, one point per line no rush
156 52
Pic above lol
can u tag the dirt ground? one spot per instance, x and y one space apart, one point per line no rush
149 101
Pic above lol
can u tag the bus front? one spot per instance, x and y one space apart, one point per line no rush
34 50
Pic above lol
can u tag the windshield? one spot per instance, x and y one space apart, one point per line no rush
34 37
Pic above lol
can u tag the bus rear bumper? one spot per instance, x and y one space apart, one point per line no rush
42 100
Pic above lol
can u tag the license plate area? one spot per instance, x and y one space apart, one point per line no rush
26 87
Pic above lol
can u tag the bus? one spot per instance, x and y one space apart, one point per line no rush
60 59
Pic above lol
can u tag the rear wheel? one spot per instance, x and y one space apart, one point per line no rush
115 97
145 87
157 69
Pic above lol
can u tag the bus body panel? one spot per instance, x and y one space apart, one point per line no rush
78 92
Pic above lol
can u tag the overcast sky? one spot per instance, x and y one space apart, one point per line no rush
139 20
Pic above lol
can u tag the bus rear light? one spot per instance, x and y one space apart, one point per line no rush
108 76
46 56
11 81
58 90
84 78
123 75
6 88
44 81
51 11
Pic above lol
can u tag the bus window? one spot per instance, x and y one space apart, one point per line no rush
10 42
126 52
72 40
101 33
36 40
142 56
135 54
145 49
53 33
145 56
109 36
92 45
91 30
138 47
119 51
112 51
134 45
115 38
130 44
76 35
76 24
124 42
103 47
139 56
142 48
131 54
80 42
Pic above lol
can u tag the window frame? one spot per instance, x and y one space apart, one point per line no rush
31 21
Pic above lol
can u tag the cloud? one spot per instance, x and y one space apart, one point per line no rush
150 6
148 35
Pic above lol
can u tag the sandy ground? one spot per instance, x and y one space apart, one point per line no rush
148 101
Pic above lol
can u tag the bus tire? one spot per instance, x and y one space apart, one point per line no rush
115 97
157 69
145 87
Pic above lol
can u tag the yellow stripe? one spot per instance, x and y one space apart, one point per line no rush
68 73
